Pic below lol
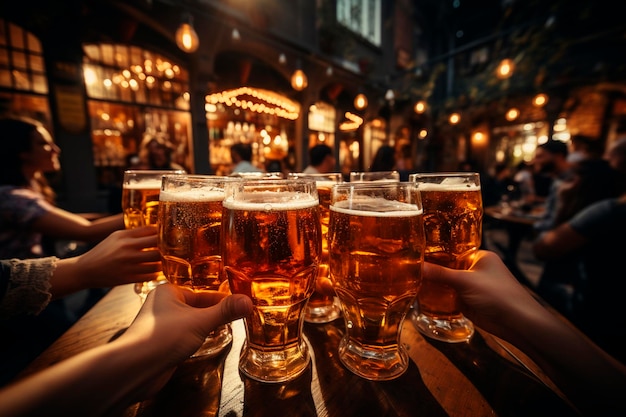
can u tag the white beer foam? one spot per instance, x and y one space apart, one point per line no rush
271 201
376 207
455 184
192 195
147 184
325 183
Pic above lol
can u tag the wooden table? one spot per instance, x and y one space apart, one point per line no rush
484 377
514 215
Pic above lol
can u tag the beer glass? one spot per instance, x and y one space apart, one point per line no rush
190 221
140 202
271 250
389 176
322 308
376 246
453 225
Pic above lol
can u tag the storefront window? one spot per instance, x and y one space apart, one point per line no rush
134 93
374 136
259 117
362 17
21 60
322 124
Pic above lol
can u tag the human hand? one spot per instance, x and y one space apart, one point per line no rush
489 294
171 325
125 256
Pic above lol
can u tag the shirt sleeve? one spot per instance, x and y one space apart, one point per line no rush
25 285
598 218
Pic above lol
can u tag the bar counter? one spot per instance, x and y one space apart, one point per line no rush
483 377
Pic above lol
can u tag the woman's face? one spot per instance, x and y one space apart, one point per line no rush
44 153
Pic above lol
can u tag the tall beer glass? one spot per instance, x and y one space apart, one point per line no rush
376 246
140 202
190 222
271 251
453 215
322 307
375 176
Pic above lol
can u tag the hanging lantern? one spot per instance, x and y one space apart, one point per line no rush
360 101
186 36
299 80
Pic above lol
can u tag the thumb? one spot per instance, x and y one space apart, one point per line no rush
441 274
234 307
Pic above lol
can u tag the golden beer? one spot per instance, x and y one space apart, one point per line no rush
271 252
140 206
453 227
189 238
376 255
190 228
322 308
140 203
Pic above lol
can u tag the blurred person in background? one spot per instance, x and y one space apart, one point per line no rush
551 160
590 180
31 225
321 160
241 156
525 184
384 159
498 186
615 154
404 160
591 240
28 210
155 152
583 147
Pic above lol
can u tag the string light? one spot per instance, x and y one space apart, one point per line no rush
257 100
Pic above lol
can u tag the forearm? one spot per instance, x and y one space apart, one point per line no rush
67 278
107 225
591 379
94 383
62 224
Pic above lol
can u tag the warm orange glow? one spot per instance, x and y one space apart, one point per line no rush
299 80
454 118
360 101
478 137
187 38
420 107
505 69
540 100
512 114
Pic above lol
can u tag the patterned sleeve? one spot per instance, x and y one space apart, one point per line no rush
25 285
21 206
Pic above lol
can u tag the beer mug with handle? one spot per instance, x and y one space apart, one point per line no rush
140 203
376 247
190 229
271 248
453 213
